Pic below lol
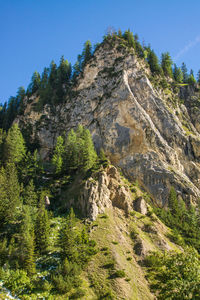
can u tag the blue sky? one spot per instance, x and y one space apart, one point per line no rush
34 32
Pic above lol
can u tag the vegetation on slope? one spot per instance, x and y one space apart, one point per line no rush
48 252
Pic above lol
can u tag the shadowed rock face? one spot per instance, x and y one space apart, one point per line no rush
132 121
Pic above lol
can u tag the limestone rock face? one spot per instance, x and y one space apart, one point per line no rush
134 123
107 190
140 205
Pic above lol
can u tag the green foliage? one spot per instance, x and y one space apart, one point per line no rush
87 53
14 147
35 83
184 71
191 80
57 159
77 250
103 160
79 150
128 36
153 62
178 74
29 195
118 274
183 221
26 243
67 276
76 246
42 230
166 64
17 282
31 168
9 193
174 275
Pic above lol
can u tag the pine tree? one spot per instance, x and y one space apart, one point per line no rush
57 158
138 47
128 36
26 243
184 71
21 93
79 150
29 194
42 228
53 75
166 64
191 80
177 73
14 147
68 238
71 151
64 71
2 140
35 83
153 62
9 193
31 168
87 53
77 68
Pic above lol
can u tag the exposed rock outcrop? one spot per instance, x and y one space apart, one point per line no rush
140 205
105 191
133 122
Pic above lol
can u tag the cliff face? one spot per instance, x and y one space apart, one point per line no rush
144 130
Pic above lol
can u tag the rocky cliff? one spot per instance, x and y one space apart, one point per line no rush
146 130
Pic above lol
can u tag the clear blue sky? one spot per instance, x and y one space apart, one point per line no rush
33 32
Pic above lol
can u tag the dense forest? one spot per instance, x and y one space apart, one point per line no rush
45 245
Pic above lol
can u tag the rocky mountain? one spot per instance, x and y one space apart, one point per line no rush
150 130
123 224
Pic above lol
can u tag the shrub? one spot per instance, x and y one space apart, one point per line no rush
118 274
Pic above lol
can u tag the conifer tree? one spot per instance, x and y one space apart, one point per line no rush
31 168
14 147
79 150
35 83
71 151
177 73
184 71
173 202
42 228
191 80
2 140
128 36
57 158
26 243
64 71
21 93
9 193
153 62
68 237
77 68
29 195
87 52
53 75
166 64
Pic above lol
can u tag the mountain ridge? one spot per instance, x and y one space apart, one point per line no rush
123 110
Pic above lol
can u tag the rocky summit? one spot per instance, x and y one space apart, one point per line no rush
150 131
